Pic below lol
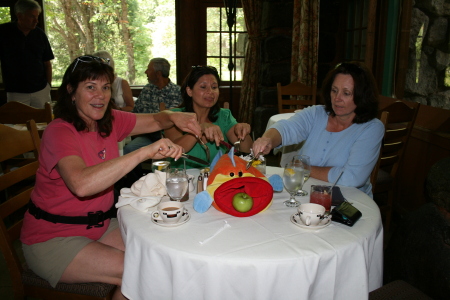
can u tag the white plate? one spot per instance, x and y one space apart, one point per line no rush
186 217
297 221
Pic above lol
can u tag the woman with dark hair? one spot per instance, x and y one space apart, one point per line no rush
70 233
342 135
200 94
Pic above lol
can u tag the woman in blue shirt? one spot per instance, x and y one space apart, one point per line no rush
343 134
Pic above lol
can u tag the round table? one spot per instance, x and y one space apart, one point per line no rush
265 256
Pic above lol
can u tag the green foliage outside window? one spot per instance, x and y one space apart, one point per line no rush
5 15
133 31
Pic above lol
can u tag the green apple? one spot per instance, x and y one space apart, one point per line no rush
242 202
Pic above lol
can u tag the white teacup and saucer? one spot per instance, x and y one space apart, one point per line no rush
170 214
311 216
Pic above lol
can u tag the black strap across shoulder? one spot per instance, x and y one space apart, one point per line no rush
93 219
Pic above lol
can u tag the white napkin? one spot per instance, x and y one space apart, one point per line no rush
144 193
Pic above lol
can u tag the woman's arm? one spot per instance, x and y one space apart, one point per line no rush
320 173
86 181
241 131
186 141
186 122
361 159
127 96
270 139
210 132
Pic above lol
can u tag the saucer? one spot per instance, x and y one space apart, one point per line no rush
184 218
297 221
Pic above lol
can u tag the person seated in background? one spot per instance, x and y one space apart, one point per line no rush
200 93
121 91
159 89
342 135
78 166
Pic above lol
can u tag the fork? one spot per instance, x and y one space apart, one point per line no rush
208 156
237 146
255 157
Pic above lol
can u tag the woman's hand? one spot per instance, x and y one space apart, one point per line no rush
212 133
186 122
263 145
270 139
164 148
241 130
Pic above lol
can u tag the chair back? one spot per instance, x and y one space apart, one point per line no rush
373 176
16 186
399 125
295 96
18 113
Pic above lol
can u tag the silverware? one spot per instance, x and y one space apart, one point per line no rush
255 157
208 155
195 159
237 146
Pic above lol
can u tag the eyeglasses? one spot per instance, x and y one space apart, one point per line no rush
90 58
204 67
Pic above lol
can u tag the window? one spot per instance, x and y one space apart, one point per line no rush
356 31
5 15
133 31
218 42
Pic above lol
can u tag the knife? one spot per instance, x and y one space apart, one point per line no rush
195 159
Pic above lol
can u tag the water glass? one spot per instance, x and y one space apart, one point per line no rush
176 183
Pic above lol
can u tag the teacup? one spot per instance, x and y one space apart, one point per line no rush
169 212
311 213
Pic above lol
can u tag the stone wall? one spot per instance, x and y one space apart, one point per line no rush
433 59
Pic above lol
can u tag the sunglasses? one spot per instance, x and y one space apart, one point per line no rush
89 59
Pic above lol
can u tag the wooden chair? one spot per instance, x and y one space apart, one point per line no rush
373 176
16 187
18 113
295 96
400 122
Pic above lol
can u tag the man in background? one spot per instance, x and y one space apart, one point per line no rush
25 55
159 89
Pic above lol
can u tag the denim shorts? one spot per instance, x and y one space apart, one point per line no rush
50 259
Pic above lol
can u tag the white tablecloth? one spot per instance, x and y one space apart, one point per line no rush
287 152
260 257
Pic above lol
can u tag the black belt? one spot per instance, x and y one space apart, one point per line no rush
93 219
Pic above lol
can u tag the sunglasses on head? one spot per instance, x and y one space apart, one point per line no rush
88 59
